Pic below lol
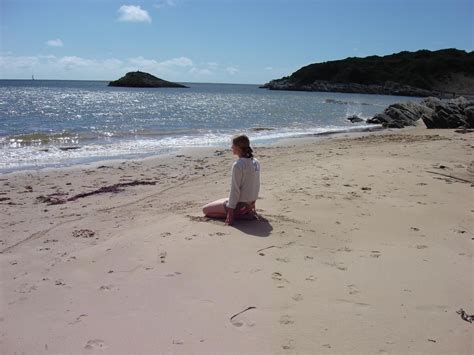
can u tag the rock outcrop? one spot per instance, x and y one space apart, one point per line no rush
140 79
388 88
453 113
400 115
435 113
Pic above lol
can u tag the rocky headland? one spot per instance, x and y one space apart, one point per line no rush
423 73
140 79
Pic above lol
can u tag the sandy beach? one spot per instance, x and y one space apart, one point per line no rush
365 246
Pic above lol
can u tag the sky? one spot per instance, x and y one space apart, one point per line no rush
219 41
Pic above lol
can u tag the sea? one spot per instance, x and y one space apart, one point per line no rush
48 123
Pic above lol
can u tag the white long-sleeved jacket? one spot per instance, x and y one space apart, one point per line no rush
245 183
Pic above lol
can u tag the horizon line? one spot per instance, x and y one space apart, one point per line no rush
103 80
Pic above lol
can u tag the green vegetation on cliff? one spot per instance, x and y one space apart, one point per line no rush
442 70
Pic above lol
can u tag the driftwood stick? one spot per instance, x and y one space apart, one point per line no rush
245 310
452 177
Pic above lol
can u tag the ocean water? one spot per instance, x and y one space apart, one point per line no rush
57 123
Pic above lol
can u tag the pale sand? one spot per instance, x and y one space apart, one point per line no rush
365 251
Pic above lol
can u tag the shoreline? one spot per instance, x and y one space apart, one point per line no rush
92 161
372 227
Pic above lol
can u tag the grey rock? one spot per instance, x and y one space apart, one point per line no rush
469 112
354 119
400 115
454 113
434 112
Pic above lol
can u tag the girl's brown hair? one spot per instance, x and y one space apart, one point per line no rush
243 142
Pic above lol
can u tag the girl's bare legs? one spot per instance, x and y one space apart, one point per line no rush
215 209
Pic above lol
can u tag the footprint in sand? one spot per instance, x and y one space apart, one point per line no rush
173 274
78 319
339 266
283 260
298 297
278 277
375 254
421 247
163 257
219 234
243 320
290 345
311 278
353 290
286 320
106 287
95 344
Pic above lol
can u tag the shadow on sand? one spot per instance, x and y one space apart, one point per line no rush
258 227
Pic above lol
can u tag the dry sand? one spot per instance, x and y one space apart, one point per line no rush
365 247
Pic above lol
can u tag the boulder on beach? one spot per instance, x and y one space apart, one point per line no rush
400 115
435 113
455 113
140 79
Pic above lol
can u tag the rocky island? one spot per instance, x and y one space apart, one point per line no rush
446 72
140 79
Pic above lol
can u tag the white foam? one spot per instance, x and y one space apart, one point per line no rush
31 157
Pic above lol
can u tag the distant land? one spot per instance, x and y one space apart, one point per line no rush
445 72
140 79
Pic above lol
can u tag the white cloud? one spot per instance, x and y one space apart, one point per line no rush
53 66
268 68
154 66
55 43
73 62
133 13
232 70
75 67
13 63
181 62
200 72
142 62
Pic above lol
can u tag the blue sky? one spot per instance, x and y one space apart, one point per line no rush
230 41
